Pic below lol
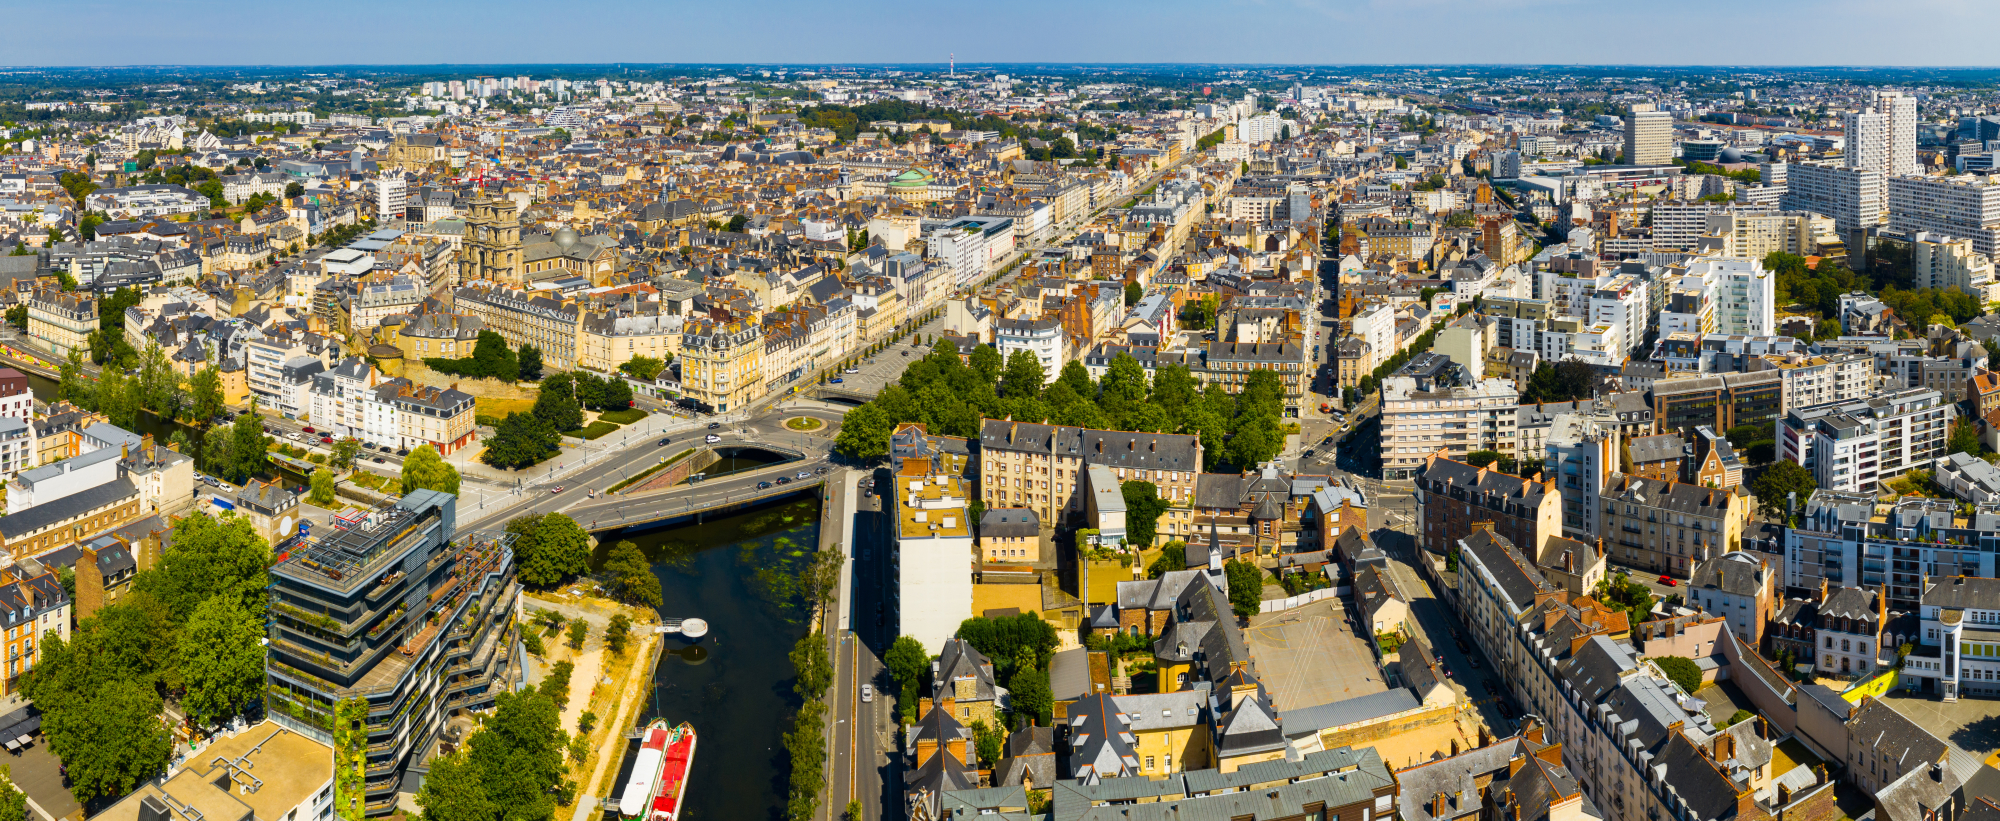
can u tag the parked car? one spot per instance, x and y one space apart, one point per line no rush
1491 689
307 429
1474 661
836 380
381 461
387 449
867 692
1667 580
1462 646
853 370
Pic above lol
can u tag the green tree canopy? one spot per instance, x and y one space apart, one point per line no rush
1003 638
1780 478
1143 507
549 548
1246 587
221 659
425 469
1682 671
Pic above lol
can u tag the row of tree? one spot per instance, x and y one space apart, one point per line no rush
950 396
189 629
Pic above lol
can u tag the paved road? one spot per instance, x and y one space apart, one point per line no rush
571 493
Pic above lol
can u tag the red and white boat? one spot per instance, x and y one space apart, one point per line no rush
659 775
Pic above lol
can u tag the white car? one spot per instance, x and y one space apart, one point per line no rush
867 692
712 439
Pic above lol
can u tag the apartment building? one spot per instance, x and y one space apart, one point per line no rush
1041 467
1957 653
1670 527
1453 498
1041 338
1455 421
1854 540
1855 445
429 415
1962 207
524 318
607 339
1230 364
401 612
1941 261
722 363
1754 234
31 608
62 320
1853 197
934 546
1649 136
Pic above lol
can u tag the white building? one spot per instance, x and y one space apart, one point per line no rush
1882 136
973 246
1963 206
1458 421
1853 197
392 196
1951 262
1042 338
1649 136
1853 446
934 558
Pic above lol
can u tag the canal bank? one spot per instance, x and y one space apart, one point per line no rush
740 572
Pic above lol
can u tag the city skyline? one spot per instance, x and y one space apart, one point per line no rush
1304 32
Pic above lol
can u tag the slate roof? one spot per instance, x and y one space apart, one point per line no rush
1851 603
1736 573
1878 727
1964 592
67 507
1010 522
1307 720
1154 451
1515 574
1658 448
1101 745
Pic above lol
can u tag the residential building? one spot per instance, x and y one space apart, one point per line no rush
1453 421
524 318
1010 536
1958 653
1882 136
62 320
1718 402
1855 446
722 363
1454 498
1853 197
1850 540
1968 477
1940 261
1851 620
33 605
933 543
1739 587
441 652
1579 455
1041 467
429 415
1041 338
1671 527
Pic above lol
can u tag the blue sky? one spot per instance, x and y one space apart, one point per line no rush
1653 32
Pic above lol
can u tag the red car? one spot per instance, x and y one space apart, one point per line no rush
1667 580
308 429
326 440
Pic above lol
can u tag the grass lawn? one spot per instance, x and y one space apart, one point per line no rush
499 408
623 417
593 430
804 423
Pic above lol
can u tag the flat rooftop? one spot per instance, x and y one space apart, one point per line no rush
268 770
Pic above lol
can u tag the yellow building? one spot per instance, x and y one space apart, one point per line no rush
722 363
62 320
606 340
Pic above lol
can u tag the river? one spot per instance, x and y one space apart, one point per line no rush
735 686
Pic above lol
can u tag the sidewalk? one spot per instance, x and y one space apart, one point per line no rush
496 484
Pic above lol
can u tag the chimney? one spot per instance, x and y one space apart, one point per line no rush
89 584
1515 764
1438 805
1725 747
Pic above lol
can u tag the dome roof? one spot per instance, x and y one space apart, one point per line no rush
1733 154
566 236
385 352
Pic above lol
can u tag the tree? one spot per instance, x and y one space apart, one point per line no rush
558 404
643 368
520 440
528 367
1133 293
549 548
1077 379
250 444
1681 671
117 399
1005 639
1172 557
519 754
1738 717
425 469
986 363
293 189
205 395
1246 587
452 791
1032 697
1964 438
158 386
115 744
1482 458
864 433
578 631
1143 507
345 451
1259 441
221 659
617 633
218 452
14 803
907 661
1774 485
556 684
989 741
1024 376
211 557
322 488
634 574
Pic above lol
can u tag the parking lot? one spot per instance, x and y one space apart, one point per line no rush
36 772
887 367
1310 656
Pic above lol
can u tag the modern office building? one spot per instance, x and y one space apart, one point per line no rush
1649 136
403 614
1457 421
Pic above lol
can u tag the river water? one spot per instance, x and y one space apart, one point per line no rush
735 685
